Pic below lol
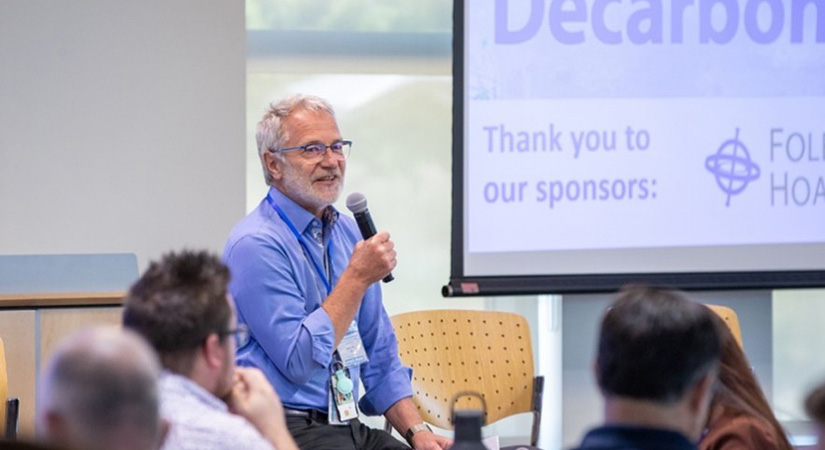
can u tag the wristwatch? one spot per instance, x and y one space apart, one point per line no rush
415 429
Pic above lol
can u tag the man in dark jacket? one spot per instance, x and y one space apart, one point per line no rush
657 359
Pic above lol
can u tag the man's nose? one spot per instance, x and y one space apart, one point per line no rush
329 158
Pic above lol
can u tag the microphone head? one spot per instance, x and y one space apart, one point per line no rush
356 202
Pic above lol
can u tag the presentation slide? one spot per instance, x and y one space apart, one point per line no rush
650 136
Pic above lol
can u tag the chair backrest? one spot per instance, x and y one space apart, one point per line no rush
4 387
463 350
731 319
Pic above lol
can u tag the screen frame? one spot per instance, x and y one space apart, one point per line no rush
462 285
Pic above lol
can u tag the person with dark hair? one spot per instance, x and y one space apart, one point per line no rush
181 306
656 362
99 392
740 417
815 407
306 284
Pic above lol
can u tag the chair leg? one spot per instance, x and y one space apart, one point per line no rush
538 397
12 410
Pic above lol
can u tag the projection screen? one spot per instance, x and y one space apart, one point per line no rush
604 142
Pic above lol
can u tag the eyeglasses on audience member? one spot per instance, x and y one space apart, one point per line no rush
241 334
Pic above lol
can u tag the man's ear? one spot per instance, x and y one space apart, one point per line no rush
698 404
699 395
214 351
594 369
273 165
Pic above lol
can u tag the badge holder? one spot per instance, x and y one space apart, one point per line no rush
350 353
342 407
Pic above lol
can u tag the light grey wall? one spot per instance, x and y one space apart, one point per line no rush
121 125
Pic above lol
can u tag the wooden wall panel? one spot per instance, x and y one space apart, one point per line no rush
17 328
60 322
30 336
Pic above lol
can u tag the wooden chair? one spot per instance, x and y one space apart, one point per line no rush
488 352
8 413
731 320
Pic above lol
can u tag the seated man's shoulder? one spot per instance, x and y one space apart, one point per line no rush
207 430
204 433
251 228
250 238
611 437
198 420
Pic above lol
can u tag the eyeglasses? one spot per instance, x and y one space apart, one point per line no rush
241 334
316 152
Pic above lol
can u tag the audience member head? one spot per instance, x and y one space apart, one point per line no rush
272 132
737 391
815 407
656 362
99 391
180 305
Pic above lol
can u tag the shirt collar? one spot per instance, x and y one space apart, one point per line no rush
300 217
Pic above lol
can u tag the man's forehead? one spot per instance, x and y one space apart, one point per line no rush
307 120
311 115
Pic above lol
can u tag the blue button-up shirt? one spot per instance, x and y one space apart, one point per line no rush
278 295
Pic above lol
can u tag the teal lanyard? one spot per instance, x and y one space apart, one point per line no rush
318 269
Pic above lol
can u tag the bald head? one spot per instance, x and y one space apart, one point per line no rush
99 391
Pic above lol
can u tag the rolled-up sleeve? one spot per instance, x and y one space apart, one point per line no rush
320 328
385 378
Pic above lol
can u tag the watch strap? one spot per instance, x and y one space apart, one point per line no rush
415 429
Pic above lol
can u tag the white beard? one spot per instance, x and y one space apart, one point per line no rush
311 196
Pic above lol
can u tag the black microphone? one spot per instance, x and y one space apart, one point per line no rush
357 204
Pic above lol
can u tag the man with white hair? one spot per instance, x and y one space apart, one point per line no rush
99 392
307 287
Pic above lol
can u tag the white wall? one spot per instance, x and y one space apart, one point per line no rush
121 125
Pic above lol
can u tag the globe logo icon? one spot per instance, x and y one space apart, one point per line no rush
732 166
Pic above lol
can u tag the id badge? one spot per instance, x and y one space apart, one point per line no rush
351 348
342 406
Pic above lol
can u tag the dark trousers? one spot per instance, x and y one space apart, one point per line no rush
312 434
